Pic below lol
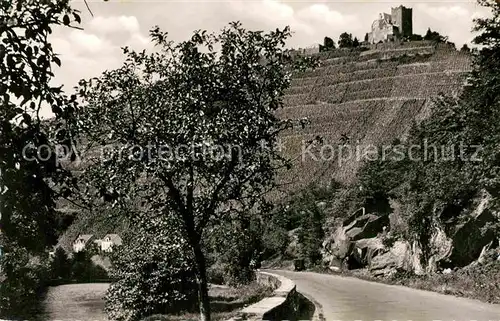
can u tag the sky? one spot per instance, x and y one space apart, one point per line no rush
115 23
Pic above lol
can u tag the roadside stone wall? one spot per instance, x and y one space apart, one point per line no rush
283 304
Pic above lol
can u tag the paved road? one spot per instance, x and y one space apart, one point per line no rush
350 299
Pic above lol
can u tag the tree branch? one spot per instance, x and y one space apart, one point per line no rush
88 8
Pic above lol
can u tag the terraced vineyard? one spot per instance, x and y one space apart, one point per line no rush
366 96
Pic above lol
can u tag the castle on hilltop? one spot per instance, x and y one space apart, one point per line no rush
394 26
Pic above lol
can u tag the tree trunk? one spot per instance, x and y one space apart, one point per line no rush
203 297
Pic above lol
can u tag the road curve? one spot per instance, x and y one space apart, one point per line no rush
350 299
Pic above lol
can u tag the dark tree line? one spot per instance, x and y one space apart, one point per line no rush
345 41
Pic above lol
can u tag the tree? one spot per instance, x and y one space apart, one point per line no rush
434 36
311 234
329 43
207 120
345 40
482 97
465 48
305 213
355 42
83 269
60 266
366 37
29 182
428 34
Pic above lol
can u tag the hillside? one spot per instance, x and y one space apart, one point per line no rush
368 96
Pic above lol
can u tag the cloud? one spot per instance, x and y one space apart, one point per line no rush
87 53
103 25
265 10
322 14
322 21
138 41
84 43
444 12
119 31
310 23
98 47
452 20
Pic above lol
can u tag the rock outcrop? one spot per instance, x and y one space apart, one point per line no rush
397 258
475 232
356 243
365 250
365 241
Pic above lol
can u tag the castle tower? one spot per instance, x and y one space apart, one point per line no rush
402 18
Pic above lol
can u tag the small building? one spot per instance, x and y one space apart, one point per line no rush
109 241
82 241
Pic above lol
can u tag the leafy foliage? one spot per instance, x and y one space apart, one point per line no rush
465 48
476 281
154 274
306 211
235 247
346 41
434 36
79 268
25 75
275 240
416 37
328 44
24 282
28 187
84 270
60 267
355 42
311 235
457 154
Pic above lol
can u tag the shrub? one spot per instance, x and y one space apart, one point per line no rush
20 295
60 267
22 285
84 270
235 249
275 240
154 275
305 210
215 273
476 281
311 235
79 268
